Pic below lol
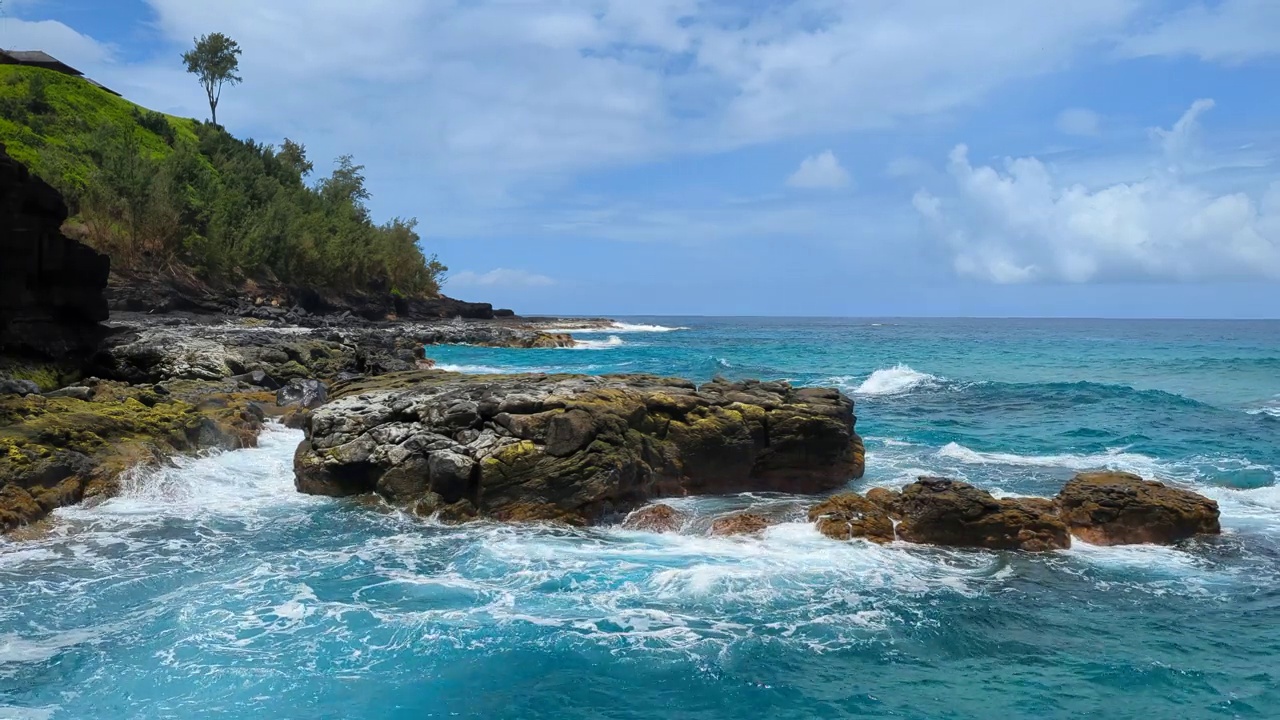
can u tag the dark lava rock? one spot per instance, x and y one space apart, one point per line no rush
51 287
304 392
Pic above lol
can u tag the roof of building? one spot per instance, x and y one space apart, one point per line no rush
41 58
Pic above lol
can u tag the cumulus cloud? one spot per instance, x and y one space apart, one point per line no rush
819 171
1078 121
499 277
1020 224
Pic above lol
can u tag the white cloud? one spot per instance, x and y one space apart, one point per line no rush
1079 121
1229 31
1022 225
55 38
485 95
499 277
819 171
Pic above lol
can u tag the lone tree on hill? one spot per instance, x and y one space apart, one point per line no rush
214 60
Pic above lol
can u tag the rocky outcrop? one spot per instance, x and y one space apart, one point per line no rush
51 287
1101 508
851 515
745 523
64 447
1117 508
572 448
151 350
938 511
658 518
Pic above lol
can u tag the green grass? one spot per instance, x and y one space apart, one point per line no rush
57 142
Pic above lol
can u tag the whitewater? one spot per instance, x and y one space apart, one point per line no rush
212 589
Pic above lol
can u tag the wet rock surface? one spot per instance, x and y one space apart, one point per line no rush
572 448
1116 508
70 445
1101 508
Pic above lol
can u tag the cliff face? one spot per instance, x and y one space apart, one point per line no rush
51 287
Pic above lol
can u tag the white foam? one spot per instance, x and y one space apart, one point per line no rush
613 327
642 328
1113 459
613 342
242 483
472 369
895 380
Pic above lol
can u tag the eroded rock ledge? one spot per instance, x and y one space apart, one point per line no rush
1101 508
73 444
572 448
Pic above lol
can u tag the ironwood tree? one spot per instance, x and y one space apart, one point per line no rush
214 60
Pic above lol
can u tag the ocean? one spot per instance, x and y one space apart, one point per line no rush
212 589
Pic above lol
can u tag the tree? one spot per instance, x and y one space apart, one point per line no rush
294 156
214 60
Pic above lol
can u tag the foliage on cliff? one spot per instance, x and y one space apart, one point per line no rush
158 192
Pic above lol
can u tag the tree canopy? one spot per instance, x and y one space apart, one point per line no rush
214 60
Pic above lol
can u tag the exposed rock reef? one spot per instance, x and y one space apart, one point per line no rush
73 444
51 287
577 449
144 349
1101 508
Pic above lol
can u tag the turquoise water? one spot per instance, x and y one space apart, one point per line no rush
212 589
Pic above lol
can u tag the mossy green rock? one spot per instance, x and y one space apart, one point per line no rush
573 448
56 451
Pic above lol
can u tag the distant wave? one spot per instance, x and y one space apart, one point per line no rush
473 369
613 342
642 328
613 327
1116 459
895 380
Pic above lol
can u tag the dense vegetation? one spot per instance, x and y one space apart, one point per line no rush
161 193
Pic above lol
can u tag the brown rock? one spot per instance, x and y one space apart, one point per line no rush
658 518
1116 508
938 511
740 524
850 515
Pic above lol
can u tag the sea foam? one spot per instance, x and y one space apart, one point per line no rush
895 380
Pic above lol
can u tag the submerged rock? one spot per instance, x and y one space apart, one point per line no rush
657 518
1117 508
740 524
574 448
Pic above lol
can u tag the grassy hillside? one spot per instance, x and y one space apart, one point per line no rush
162 193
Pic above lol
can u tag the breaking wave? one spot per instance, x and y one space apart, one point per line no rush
895 380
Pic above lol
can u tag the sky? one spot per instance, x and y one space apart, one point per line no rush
1098 158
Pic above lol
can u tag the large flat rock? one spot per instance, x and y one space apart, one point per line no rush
572 448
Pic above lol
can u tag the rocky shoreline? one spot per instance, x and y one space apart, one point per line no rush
180 368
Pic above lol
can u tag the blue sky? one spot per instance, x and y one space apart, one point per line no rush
801 157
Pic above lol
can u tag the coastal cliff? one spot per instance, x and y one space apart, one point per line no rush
51 287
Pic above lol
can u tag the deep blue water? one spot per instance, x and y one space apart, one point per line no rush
213 589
